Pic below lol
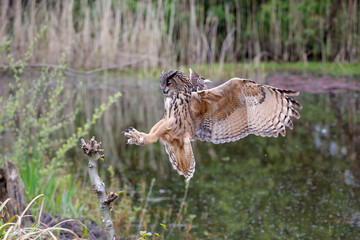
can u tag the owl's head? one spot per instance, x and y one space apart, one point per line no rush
174 81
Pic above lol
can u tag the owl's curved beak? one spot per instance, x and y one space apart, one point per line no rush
166 90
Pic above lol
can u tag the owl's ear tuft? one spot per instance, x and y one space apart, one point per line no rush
165 76
194 77
191 71
172 73
169 74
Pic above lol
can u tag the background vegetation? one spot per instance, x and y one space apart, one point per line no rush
165 32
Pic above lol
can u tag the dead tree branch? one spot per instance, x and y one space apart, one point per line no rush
93 149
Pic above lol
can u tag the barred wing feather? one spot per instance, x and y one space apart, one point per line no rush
241 107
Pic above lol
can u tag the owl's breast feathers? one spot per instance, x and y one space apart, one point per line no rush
177 111
180 132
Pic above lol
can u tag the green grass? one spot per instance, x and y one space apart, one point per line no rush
333 68
246 69
14 229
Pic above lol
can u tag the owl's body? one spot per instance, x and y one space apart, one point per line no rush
222 114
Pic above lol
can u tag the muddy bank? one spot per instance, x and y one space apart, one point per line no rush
93 230
314 83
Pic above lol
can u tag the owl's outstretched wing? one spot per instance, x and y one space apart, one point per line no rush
240 107
181 156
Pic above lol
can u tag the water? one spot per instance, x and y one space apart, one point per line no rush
302 186
299 187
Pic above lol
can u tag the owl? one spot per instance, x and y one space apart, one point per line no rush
222 114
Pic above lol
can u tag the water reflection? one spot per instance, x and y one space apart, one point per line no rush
303 186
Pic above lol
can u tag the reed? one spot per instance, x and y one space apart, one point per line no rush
14 229
166 33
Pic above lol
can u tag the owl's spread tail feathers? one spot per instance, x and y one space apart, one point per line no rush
181 156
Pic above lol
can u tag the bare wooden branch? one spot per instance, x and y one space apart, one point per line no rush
93 149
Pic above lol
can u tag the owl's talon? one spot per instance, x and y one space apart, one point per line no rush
130 129
134 136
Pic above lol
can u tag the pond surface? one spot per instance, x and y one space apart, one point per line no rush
302 186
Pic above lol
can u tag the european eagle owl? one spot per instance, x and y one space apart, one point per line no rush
226 113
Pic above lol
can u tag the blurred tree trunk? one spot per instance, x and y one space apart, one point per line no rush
330 31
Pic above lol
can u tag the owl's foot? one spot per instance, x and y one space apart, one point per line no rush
135 137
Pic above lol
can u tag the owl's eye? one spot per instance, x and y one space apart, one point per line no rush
168 83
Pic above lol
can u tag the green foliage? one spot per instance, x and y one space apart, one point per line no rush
35 111
98 112
4 46
147 235
188 32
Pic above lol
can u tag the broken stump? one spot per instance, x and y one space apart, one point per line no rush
12 186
